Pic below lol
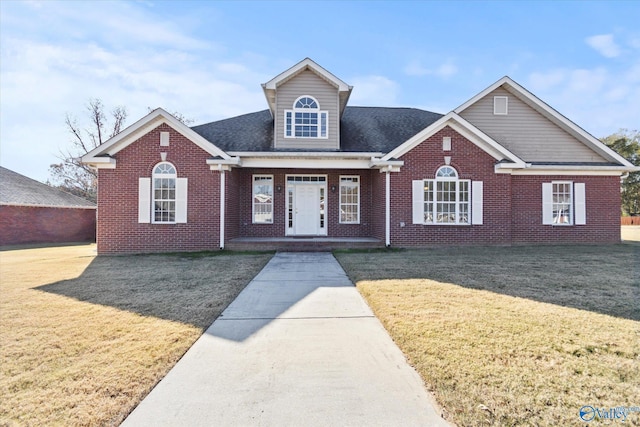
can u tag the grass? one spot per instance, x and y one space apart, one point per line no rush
513 336
85 338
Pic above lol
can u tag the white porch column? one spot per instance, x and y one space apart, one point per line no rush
222 197
387 210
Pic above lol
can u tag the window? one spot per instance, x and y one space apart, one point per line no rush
349 200
447 200
563 203
305 120
164 193
162 199
500 105
263 199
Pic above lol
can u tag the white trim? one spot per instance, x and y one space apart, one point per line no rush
182 194
567 125
142 127
324 231
253 197
306 64
387 210
308 154
270 88
476 202
293 111
463 127
580 205
144 200
417 197
306 163
547 203
496 105
164 139
222 206
563 171
355 184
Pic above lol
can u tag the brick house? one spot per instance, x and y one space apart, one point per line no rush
33 212
504 168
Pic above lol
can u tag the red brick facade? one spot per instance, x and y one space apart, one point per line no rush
512 205
27 224
118 228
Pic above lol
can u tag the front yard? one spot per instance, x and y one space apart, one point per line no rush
513 336
84 339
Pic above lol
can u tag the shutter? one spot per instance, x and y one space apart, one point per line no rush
181 200
418 202
476 203
547 203
144 200
580 204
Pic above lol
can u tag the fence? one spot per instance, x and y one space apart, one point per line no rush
630 220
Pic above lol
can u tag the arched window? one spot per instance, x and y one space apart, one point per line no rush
164 193
447 199
305 119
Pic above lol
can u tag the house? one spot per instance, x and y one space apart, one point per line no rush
504 168
32 212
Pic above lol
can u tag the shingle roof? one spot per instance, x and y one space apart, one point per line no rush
362 129
16 189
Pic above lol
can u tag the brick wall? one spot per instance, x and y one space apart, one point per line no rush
471 162
278 227
602 209
25 224
118 229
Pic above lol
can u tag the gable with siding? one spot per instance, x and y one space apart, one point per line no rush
526 132
308 83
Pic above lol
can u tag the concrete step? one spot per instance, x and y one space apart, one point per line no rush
302 244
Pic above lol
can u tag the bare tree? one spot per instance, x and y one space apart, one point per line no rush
71 174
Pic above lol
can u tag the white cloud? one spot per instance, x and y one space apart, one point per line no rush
373 91
445 70
604 45
599 100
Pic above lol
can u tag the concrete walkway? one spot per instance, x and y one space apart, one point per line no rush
298 347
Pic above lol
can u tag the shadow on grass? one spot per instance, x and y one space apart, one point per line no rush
186 288
601 279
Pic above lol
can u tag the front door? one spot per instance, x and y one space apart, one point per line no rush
307 210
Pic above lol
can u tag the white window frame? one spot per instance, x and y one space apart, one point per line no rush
433 198
172 201
552 214
350 181
322 120
496 105
254 204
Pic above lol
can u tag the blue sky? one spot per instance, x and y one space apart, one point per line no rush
207 60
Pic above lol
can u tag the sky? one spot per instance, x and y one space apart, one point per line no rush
207 60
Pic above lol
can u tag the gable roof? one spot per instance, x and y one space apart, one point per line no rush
270 87
466 129
19 190
102 154
550 114
362 129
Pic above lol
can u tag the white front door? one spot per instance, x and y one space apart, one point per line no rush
307 210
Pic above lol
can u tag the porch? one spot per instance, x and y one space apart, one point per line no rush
302 244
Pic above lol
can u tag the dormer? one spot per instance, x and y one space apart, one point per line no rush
306 102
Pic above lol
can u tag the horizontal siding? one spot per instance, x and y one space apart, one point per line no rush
307 83
527 133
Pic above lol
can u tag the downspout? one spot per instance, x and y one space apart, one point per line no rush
387 210
222 197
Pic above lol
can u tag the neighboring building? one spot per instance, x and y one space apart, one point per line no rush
32 212
504 168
